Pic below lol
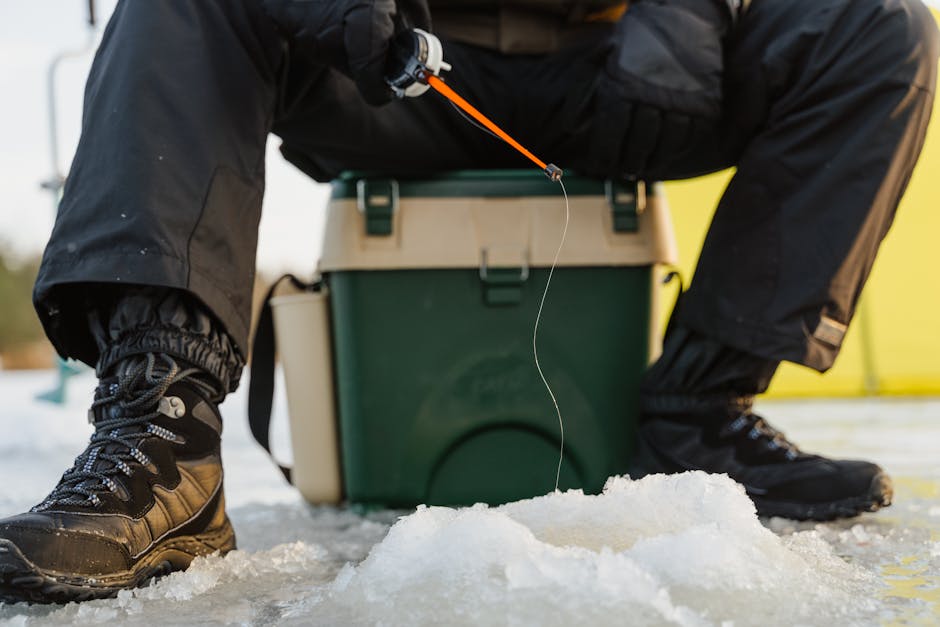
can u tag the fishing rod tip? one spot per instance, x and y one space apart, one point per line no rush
553 172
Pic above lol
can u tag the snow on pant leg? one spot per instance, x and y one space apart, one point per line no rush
838 94
165 188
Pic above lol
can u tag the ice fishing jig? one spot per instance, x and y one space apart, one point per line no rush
417 63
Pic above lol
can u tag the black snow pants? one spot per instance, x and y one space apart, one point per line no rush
825 110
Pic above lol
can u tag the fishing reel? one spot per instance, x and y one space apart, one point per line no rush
415 63
416 54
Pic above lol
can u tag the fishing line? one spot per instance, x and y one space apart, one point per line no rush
535 334
473 122
488 127
420 57
538 317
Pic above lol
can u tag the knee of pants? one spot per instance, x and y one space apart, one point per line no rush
904 33
922 35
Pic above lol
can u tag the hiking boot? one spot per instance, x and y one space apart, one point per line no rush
780 478
142 500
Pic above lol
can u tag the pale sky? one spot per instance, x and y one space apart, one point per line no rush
32 32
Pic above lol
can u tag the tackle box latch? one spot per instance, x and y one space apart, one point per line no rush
502 285
623 198
377 199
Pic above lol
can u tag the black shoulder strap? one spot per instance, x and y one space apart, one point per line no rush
261 374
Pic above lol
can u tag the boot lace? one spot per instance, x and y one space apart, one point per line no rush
757 429
122 413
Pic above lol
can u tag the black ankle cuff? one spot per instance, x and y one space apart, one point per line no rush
192 348
693 365
160 320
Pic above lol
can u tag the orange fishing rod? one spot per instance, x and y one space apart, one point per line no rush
551 170
420 58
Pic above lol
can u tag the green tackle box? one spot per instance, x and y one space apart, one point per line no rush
431 290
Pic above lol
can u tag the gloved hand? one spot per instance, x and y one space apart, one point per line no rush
352 36
665 75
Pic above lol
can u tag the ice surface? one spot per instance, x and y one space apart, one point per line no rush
683 550
680 550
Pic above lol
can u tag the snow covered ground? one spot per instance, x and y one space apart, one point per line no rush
683 550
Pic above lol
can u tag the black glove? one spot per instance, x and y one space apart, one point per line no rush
352 36
663 78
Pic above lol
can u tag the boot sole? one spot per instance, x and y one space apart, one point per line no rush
879 494
22 581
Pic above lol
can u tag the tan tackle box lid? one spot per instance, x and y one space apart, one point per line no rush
498 218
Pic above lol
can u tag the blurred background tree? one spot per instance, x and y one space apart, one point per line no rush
21 337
